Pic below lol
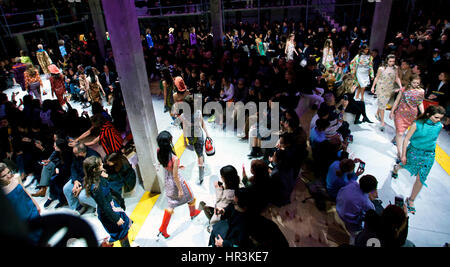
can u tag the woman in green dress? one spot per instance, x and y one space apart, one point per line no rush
418 156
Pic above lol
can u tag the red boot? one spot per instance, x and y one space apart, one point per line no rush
193 211
165 223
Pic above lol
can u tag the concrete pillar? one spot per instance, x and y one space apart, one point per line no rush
20 41
380 24
99 24
216 21
122 22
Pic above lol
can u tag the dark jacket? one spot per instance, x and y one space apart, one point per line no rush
76 170
112 79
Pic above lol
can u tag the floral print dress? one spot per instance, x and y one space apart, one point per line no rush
406 113
385 86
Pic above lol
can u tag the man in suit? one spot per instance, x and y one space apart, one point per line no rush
108 79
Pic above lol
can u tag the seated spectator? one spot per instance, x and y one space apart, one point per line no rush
224 193
73 189
354 200
282 179
340 173
24 205
257 186
233 228
121 174
390 228
57 174
317 134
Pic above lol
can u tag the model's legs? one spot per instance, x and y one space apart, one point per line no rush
362 89
415 191
165 222
399 141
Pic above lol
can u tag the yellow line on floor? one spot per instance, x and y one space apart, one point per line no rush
179 146
443 159
140 214
147 201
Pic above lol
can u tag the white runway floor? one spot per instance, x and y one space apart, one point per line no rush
428 227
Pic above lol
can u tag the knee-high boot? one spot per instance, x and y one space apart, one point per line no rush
192 210
125 242
165 223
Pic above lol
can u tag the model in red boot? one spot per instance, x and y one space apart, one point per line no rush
177 190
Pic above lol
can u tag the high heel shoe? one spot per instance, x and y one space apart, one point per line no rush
411 209
164 224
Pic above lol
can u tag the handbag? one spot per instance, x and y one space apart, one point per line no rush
209 147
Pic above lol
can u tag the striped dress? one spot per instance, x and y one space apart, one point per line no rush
172 189
110 138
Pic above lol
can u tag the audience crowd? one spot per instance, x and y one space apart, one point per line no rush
81 159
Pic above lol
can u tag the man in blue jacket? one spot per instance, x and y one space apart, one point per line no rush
73 189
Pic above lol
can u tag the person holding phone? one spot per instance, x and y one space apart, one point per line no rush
177 190
340 173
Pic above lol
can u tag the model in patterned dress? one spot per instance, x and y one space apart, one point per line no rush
418 156
404 110
386 77
177 190
290 48
328 55
362 70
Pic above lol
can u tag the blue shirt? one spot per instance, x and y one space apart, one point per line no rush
316 137
335 182
352 204
149 40
426 134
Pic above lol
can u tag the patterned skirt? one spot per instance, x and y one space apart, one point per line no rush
172 191
419 162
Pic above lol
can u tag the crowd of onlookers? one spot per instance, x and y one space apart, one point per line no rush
283 62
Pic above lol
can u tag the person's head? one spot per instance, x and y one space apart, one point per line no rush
5 175
241 83
260 171
417 69
433 113
179 84
40 47
148 31
80 150
328 44
444 77
390 60
404 65
368 183
291 37
92 168
98 120
364 50
114 162
17 60
230 177
105 68
345 166
165 150
329 99
61 145
322 124
96 108
415 82
323 112
393 222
